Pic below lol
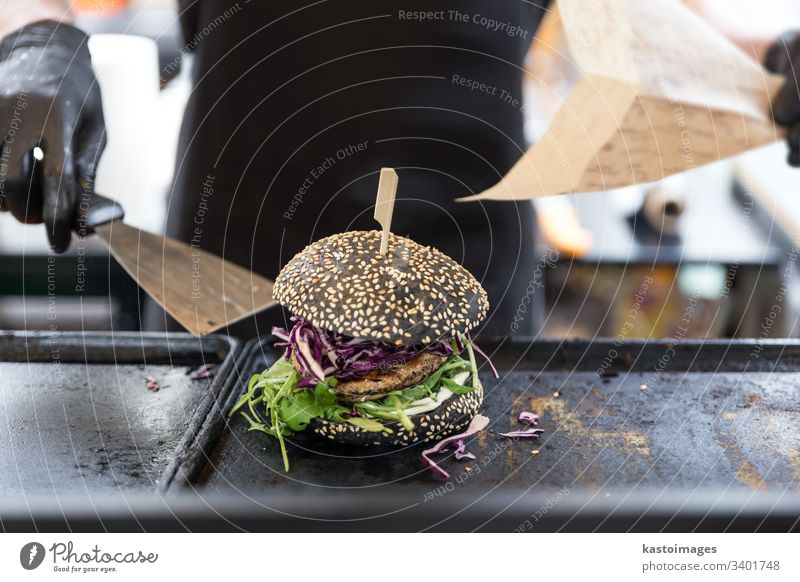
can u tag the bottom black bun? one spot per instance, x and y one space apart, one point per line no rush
451 417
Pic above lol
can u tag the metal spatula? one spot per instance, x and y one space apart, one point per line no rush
200 290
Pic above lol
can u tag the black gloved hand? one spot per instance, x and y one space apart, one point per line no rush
49 97
783 58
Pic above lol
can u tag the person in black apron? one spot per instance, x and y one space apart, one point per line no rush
294 110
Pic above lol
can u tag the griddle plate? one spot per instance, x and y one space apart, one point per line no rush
715 427
76 414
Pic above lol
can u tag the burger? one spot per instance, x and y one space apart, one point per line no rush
377 351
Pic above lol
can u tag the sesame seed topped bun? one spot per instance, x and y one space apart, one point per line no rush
413 294
451 417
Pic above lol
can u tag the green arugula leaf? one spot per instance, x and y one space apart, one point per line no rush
324 396
278 372
414 393
298 410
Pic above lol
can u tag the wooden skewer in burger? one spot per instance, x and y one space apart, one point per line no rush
378 352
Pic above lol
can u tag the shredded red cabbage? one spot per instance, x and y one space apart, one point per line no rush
325 354
525 433
484 356
461 451
530 420
478 423
203 372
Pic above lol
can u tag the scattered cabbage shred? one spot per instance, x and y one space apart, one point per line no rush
478 423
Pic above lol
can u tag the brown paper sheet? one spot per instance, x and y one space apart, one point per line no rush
662 92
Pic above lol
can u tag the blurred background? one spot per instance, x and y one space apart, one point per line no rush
710 253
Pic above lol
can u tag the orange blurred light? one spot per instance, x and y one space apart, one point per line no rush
95 6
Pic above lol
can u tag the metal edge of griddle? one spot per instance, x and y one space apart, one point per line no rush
509 511
203 431
204 427
610 356
113 347
208 424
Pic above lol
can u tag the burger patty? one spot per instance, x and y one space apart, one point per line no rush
377 383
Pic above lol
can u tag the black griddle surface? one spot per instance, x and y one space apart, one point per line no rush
705 439
77 415
713 418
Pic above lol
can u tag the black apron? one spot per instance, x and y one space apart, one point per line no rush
296 107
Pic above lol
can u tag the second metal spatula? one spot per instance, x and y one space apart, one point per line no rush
203 292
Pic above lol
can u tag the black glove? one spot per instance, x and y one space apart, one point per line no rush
49 97
783 58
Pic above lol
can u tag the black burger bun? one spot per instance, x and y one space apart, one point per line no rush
413 294
451 417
